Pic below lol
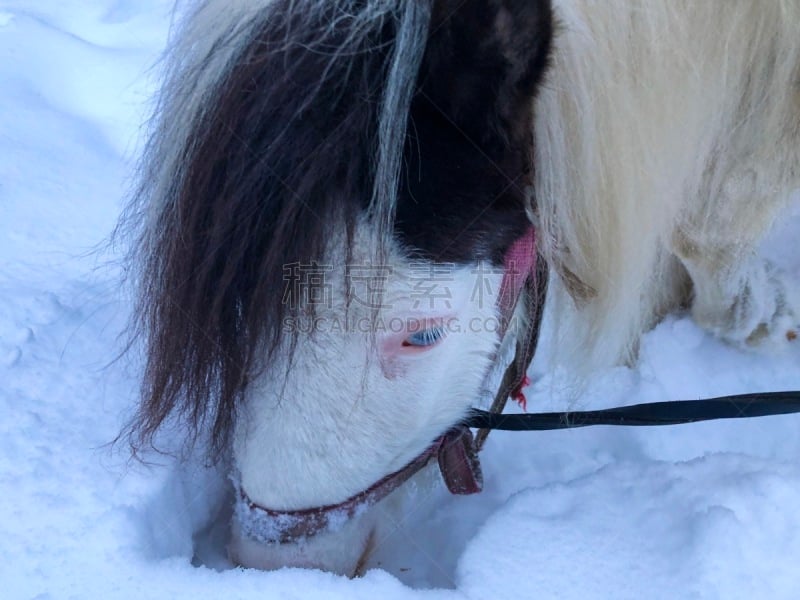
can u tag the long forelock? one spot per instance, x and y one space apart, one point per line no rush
281 123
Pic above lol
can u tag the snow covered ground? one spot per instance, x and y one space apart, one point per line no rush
702 511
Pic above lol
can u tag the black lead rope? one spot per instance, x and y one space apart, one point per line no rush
675 412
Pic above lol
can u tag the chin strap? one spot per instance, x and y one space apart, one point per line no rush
458 463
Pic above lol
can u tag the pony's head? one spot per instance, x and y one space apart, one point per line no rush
329 198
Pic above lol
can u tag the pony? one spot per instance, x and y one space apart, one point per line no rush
342 201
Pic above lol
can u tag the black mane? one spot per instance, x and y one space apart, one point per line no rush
470 140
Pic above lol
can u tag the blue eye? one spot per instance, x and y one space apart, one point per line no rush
426 337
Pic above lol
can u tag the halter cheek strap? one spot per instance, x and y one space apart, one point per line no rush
519 265
456 451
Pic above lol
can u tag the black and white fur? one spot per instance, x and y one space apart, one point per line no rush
651 144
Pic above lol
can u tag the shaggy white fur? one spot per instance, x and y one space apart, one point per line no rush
667 141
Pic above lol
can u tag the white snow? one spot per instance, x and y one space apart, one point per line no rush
704 511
